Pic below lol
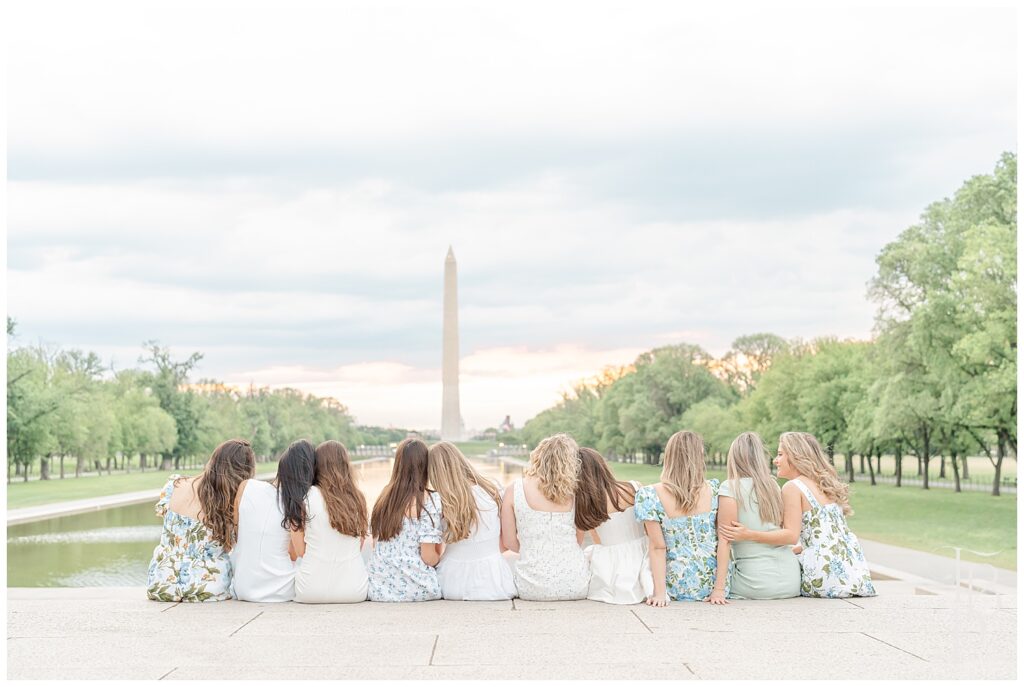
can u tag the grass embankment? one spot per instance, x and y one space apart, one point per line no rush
915 518
91 485
56 490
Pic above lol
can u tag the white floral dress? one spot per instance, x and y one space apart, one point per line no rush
832 563
396 571
691 545
188 564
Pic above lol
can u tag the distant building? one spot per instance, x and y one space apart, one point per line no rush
507 425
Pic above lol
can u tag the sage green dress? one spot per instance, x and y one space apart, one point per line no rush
762 571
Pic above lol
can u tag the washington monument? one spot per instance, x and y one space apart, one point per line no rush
451 416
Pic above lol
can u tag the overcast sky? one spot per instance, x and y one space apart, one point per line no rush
277 186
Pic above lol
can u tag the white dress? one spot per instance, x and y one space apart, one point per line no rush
474 569
263 569
620 570
332 569
551 565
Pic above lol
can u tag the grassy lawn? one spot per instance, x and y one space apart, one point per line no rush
475 448
39 492
914 518
90 485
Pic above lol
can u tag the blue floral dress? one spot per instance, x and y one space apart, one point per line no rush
188 564
832 562
691 545
396 570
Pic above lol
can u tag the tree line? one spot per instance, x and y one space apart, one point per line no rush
938 379
65 404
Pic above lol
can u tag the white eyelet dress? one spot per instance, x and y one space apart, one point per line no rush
551 565
620 570
474 569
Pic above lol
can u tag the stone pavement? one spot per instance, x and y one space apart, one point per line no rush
911 630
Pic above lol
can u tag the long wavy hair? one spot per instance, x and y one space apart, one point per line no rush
294 478
556 465
403 493
807 458
683 472
597 488
345 504
452 476
230 464
749 458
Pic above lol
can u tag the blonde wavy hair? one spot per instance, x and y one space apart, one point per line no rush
806 456
683 472
452 476
749 458
556 465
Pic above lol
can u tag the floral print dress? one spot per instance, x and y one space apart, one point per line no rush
691 545
188 564
832 563
396 570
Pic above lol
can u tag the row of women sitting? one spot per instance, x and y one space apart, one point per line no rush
441 530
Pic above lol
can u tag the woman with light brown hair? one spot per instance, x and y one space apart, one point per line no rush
538 522
752 496
816 504
191 562
620 572
679 515
472 567
332 569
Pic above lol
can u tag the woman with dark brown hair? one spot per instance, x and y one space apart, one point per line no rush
332 568
620 572
406 526
191 562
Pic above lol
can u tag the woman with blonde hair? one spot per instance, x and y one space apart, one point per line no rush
752 496
831 560
472 567
538 522
332 568
679 515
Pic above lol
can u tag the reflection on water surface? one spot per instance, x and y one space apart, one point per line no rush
113 547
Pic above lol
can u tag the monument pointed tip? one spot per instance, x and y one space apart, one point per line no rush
451 253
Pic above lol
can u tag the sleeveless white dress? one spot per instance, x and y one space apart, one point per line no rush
474 569
332 569
551 565
620 570
263 569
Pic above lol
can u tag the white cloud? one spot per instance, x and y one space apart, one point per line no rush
276 186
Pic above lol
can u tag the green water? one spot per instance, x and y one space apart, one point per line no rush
113 547
104 548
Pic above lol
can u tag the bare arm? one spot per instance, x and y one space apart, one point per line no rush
430 553
509 534
296 544
727 513
656 553
238 500
788 534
